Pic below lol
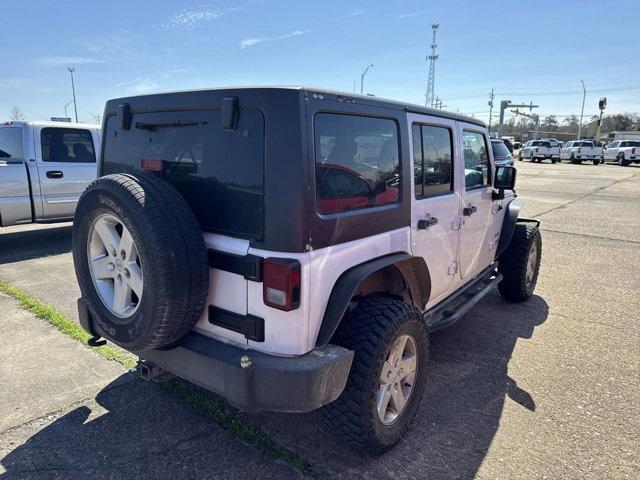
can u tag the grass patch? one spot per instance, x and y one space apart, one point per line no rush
214 409
65 324
191 395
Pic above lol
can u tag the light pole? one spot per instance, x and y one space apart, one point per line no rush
584 94
73 89
66 115
490 109
362 78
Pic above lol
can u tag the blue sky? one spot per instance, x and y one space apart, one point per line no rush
526 50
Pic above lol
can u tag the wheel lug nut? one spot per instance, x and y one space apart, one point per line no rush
127 273
119 277
123 255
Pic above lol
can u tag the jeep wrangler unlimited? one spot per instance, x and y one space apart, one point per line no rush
292 248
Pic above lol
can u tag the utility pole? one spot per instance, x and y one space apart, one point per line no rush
490 109
584 94
73 89
429 97
362 78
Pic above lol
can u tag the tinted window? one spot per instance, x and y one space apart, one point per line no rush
220 173
357 162
500 149
630 144
432 158
536 144
11 142
67 145
477 170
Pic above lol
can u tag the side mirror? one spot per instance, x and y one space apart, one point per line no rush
505 179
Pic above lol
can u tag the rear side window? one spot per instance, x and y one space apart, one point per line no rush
67 145
432 160
630 144
477 169
11 143
357 162
220 173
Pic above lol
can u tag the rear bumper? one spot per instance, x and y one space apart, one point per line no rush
266 382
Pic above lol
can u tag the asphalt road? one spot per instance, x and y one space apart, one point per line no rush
545 389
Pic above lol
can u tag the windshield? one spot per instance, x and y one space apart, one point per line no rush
499 149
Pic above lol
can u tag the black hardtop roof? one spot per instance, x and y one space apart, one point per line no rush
319 93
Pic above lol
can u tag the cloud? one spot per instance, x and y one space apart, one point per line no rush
140 85
413 14
249 42
190 19
64 61
355 13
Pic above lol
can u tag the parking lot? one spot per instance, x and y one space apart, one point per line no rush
544 389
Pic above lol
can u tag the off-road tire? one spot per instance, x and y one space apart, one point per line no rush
513 263
171 250
370 330
622 161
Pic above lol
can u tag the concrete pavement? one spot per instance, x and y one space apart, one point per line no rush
548 388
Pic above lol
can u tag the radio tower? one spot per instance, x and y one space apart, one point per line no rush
430 98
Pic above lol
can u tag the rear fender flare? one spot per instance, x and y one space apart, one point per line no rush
413 270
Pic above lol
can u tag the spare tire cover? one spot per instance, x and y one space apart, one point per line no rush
140 260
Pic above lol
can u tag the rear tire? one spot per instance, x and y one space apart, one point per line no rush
622 161
574 160
520 263
372 331
596 161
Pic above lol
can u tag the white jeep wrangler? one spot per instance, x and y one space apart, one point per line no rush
292 248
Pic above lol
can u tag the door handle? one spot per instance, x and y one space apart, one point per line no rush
54 174
425 223
470 210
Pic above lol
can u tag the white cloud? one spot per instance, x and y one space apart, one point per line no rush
190 19
64 61
249 42
355 13
413 14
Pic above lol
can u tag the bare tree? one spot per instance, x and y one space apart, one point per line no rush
16 114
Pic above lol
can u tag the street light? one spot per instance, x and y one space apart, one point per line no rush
584 94
73 89
362 78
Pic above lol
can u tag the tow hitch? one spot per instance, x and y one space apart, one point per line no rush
151 372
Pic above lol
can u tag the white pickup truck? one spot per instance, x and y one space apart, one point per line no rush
623 151
44 168
538 150
577 151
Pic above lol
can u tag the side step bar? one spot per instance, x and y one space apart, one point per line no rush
453 308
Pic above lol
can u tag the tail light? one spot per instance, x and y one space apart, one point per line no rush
579 149
535 150
633 151
281 283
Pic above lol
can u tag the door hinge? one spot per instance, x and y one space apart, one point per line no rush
453 268
456 222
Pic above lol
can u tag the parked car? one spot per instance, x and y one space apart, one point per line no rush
577 151
44 167
301 265
624 152
538 150
501 154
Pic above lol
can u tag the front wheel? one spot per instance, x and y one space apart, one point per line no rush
520 263
596 161
388 375
553 160
623 162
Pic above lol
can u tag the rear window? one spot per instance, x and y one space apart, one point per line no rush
500 149
11 143
220 173
67 145
630 144
357 162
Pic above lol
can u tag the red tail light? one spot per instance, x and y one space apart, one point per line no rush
281 283
153 164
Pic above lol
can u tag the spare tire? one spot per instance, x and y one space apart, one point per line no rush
140 260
